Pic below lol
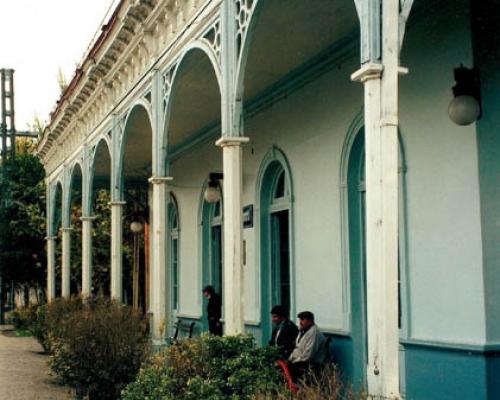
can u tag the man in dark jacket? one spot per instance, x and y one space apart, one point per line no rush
284 332
214 310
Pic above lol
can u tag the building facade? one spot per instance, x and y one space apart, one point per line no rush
345 187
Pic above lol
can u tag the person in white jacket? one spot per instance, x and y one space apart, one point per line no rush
308 346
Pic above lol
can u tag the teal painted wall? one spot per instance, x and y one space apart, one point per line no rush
342 348
434 372
487 60
445 374
493 374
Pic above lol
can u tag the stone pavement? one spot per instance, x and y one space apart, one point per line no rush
24 374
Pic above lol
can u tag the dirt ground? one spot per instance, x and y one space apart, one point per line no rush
24 374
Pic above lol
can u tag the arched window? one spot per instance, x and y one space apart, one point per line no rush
279 219
173 219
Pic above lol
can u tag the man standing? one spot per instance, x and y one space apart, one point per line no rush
308 346
284 332
214 310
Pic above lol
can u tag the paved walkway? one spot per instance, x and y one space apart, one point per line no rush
24 374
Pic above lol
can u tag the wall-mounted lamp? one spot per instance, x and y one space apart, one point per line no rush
465 108
212 192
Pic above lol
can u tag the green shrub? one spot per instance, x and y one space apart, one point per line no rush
96 347
38 328
208 367
54 316
21 318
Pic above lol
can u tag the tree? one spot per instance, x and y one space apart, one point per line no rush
22 218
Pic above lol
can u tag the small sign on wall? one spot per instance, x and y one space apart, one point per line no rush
248 216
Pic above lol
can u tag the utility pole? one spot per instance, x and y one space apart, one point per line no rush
8 150
8 131
8 125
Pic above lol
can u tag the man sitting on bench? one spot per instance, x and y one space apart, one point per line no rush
308 346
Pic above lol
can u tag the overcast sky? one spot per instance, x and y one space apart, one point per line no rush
37 37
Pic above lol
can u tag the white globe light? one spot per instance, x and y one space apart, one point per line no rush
464 110
212 194
136 227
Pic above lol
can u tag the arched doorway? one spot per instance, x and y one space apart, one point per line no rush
275 241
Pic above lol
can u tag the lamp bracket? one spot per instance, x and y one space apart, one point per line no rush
467 83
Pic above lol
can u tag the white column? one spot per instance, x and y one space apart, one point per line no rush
116 250
233 234
51 268
160 278
66 262
381 159
87 256
370 75
149 291
385 234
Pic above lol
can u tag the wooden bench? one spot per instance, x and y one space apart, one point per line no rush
184 329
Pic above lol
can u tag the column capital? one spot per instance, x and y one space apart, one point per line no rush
227 141
88 218
66 229
117 203
47 238
158 180
368 72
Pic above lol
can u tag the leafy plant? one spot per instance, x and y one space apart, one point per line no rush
96 346
208 367
32 319
38 328
22 318
55 317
